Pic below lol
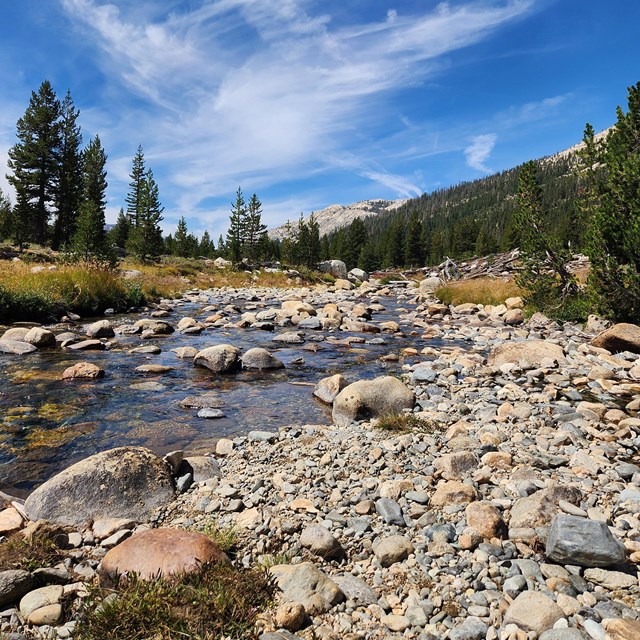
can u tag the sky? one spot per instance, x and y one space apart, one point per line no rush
310 103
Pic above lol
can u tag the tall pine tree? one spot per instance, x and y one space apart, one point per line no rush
237 228
145 239
254 229
134 197
181 239
34 161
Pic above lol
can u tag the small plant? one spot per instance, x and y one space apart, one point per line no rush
39 550
225 537
406 422
217 602
269 560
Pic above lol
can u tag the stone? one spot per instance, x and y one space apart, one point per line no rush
258 358
126 482
452 493
371 399
290 616
83 370
564 634
533 611
390 511
86 345
152 367
40 598
16 347
204 401
297 307
49 614
357 590
393 549
514 316
619 629
15 333
429 285
306 584
533 352
10 521
221 358
224 447
100 329
290 337
185 353
343 284
203 467
472 628
321 542
514 303
454 466
160 552
328 388
14 583
396 622
210 414
611 579
485 519
538 509
336 268
358 275
619 337
584 542
157 327
41 338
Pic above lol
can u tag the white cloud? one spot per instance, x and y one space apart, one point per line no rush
478 152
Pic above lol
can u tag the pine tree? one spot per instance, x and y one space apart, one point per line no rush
255 230
35 161
369 259
145 239
413 250
88 241
6 213
237 228
136 187
394 256
119 234
355 239
69 180
611 198
206 248
180 247
313 254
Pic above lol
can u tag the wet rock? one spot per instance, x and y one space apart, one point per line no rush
156 327
289 338
532 352
371 398
83 370
185 353
204 401
210 414
160 552
154 368
258 358
579 541
86 345
533 611
620 337
321 542
100 329
328 388
127 482
15 347
306 584
41 338
222 358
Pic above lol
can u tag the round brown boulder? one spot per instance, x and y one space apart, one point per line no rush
83 370
620 337
160 552
532 352
126 482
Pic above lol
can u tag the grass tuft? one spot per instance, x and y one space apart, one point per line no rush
406 422
479 291
218 602
39 550
225 537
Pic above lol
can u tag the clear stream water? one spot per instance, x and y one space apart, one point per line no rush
47 424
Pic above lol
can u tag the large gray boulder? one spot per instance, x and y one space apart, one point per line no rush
371 399
14 583
222 358
258 358
588 543
336 268
41 338
16 347
430 285
531 352
100 329
126 482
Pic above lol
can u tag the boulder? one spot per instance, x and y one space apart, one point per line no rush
203 467
15 333
358 275
532 352
16 347
100 329
579 541
160 552
371 399
341 284
290 337
83 370
336 268
619 629
258 358
514 316
126 482
158 327
296 307
328 388
41 338
393 549
533 611
306 584
14 583
429 285
485 519
321 542
222 358
620 337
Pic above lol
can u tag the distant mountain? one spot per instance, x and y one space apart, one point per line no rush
337 216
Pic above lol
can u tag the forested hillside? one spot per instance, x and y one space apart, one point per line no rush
472 218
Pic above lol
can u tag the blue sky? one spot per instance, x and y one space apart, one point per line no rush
310 103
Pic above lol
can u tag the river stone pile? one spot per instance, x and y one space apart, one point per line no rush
512 513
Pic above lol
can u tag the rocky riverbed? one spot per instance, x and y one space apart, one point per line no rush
511 509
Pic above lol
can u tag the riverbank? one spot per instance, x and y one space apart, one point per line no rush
510 511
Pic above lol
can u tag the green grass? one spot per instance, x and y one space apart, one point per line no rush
41 550
225 537
217 603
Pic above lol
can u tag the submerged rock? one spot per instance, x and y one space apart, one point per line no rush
258 358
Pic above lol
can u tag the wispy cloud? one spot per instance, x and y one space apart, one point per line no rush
239 91
478 152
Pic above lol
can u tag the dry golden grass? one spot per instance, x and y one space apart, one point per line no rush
479 291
